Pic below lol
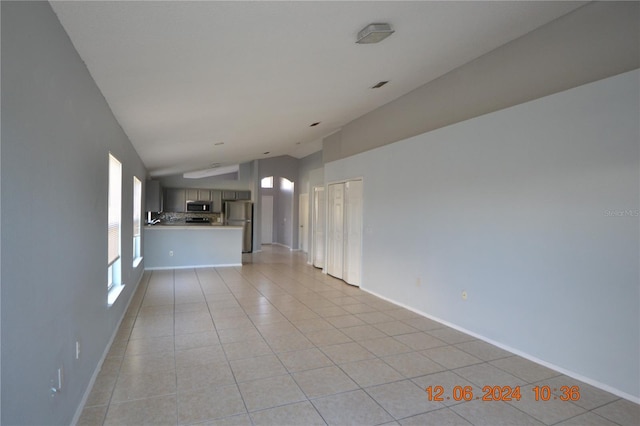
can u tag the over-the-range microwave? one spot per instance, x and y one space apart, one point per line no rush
198 206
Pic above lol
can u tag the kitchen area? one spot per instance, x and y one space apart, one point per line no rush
196 227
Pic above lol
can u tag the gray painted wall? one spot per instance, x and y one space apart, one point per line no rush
305 166
57 132
533 210
598 40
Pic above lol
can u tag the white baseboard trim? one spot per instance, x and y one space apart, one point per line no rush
94 376
507 348
220 265
282 245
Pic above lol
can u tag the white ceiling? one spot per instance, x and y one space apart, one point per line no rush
182 76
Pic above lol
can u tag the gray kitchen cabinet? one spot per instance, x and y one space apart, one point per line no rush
243 195
204 195
228 195
236 195
192 194
216 201
175 200
153 196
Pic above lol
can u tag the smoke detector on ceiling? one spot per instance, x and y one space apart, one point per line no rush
374 33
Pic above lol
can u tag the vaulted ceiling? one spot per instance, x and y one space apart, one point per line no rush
198 83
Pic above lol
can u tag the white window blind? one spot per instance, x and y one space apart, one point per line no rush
137 205
115 193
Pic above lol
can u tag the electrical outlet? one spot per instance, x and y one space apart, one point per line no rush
170 252
464 295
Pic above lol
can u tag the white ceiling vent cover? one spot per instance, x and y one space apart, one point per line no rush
374 33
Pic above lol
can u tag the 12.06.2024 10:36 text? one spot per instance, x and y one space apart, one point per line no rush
502 393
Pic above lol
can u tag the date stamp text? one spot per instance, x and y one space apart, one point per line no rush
502 393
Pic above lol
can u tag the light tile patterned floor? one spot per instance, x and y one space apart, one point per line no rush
276 342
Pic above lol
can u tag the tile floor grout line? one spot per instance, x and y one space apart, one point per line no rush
290 374
309 399
117 374
175 364
294 293
226 357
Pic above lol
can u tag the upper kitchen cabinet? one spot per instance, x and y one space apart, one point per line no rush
228 195
216 201
153 196
193 194
204 195
236 195
243 195
175 200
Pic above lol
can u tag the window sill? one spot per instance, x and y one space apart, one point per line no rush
137 261
113 294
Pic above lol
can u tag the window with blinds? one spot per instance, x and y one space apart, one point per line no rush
137 215
115 201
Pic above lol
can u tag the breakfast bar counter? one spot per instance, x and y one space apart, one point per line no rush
192 246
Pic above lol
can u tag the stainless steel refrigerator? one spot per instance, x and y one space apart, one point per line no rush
240 213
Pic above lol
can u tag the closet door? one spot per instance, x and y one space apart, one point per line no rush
335 231
319 207
353 232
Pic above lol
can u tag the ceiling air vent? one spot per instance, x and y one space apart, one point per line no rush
374 33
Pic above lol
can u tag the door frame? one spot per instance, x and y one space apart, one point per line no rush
325 269
303 223
314 225
334 261
350 270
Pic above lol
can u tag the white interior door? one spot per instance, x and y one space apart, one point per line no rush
335 231
303 223
318 221
266 221
353 232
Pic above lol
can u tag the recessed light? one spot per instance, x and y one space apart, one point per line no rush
314 124
380 84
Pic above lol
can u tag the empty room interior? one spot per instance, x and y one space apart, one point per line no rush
320 213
